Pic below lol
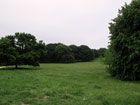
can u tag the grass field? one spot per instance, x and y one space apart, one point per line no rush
86 83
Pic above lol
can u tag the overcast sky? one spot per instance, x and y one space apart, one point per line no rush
80 22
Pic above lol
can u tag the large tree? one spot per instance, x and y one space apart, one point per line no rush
20 49
125 42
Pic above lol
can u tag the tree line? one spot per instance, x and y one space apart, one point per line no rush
24 49
58 52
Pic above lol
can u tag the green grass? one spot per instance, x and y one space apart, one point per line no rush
86 83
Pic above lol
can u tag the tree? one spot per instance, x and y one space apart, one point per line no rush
19 49
101 52
85 53
50 52
75 52
125 43
95 53
41 46
7 52
64 54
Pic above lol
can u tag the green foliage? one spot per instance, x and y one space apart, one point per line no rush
64 54
108 57
82 53
98 52
20 49
85 53
76 52
51 56
101 52
41 46
7 52
61 53
125 43
95 53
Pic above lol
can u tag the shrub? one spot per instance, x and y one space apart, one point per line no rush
125 43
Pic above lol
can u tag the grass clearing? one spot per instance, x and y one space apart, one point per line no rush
86 83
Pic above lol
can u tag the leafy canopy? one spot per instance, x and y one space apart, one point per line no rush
125 43
20 49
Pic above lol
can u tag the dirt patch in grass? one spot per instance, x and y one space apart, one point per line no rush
24 104
45 98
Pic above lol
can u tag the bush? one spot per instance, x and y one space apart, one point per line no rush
125 43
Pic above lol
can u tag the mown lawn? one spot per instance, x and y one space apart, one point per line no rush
86 83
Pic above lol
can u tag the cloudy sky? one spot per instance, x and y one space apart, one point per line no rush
67 21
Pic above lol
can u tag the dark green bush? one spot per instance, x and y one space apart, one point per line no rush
125 43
